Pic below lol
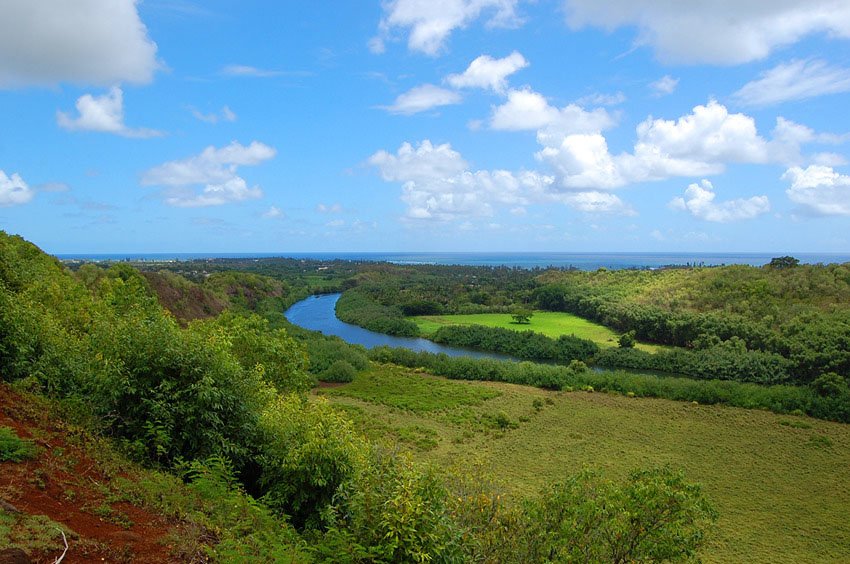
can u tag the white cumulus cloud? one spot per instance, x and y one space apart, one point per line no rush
104 114
216 169
699 201
715 31
819 189
45 42
423 98
13 190
697 144
528 110
488 73
439 185
430 23
796 80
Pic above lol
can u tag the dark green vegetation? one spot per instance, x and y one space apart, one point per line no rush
220 403
14 448
526 345
382 296
576 376
799 312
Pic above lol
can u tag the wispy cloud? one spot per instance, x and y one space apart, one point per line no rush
255 72
797 80
226 114
423 98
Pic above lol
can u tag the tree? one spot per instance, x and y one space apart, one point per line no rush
627 340
656 516
830 385
522 316
784 262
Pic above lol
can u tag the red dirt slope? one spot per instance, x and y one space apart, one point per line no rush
66 484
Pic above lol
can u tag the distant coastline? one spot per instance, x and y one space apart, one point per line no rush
581 261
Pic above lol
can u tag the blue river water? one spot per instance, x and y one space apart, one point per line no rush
318 313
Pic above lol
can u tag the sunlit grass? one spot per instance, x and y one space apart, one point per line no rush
552 324
778 481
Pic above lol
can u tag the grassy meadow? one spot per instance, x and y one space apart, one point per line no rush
779 482
550 323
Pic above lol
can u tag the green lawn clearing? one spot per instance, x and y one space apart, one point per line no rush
550 323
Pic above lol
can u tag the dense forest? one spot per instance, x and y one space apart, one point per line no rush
799 312
217 392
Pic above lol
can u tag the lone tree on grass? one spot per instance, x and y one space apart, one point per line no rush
522 317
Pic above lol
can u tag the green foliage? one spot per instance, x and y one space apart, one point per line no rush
654 517
325 350
627 340
309 452
251 292
247 530
800 312
392 512
777 398
830 385
358 307
522 317
727 360
339 371
527 345
14 448
271 352
783 262
401 389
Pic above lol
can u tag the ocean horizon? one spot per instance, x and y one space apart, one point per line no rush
581 261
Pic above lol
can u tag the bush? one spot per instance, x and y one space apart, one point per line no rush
339 371
654 517
392 512
14 448
526 345
355 306
830 385
308 451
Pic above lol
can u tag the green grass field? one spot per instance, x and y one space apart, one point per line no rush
552 324
778 482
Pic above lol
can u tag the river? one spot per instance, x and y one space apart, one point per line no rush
318 313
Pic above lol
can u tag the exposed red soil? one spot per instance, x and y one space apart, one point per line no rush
67 485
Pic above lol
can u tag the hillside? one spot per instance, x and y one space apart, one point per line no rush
74 485
217 411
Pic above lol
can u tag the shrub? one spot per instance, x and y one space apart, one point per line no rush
14 448
339 371
830 385
655 516
392 512
308 451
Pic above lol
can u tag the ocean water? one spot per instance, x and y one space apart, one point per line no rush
582 261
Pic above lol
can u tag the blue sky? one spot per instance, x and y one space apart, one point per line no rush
424 125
